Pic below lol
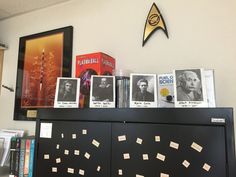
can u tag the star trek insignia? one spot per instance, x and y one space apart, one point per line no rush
154 22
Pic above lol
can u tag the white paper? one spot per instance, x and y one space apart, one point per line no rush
126 156
81 172
58 160
174 145
46 130
84 132
58 146
54 169
87 155
164 175
206 167
186 163
98 168
161 157
122 138
73 136
46 156
139 141
95 143
76 152
196 147
71 170
137 175
157 138
66 152
145 156
120 172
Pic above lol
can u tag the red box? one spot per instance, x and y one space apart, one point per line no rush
92 64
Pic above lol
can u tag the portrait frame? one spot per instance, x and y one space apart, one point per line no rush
70 100
42 58
151 100
183 96
102 97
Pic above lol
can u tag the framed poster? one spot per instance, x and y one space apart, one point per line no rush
190 88
42 58
143 91
67 93
102 92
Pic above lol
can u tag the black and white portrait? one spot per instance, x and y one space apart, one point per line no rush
102 91
143 90
189 85
67 92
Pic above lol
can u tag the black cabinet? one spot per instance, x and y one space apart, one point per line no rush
135 143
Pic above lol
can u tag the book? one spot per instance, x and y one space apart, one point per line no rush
31 159
165 90
27 157
22 157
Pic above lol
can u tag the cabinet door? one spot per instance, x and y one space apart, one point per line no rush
159 150
75 149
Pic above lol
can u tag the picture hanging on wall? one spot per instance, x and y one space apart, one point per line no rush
42 58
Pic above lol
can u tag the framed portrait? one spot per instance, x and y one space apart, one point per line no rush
102 92
143 91
67 93
190 88
42 58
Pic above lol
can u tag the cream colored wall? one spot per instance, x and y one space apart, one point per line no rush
201 34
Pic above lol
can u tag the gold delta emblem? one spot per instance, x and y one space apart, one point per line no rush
154 22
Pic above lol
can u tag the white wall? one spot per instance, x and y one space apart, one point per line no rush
201 34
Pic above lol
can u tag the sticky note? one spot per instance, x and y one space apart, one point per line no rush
84 132
206 167
196 147
95 143
126 156
58 160
71 170
87 155
62 135
76 152
139 141
66 152
122 138
98 168
185 163
145 156
160 157
46 156
120 172
81 172
157 138
58 146
73 136
164 175
54 169
174 145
